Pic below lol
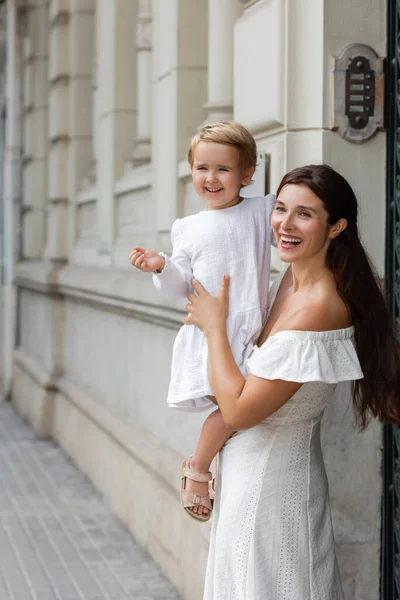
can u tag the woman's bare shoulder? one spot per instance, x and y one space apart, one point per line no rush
324 313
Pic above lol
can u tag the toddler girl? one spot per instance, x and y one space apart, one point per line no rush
230 236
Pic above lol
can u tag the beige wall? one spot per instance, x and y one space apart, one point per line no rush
93 362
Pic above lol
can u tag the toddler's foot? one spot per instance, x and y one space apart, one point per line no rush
195 490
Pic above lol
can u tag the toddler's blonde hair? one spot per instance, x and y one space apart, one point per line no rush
228 133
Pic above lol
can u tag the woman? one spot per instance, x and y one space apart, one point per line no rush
272 536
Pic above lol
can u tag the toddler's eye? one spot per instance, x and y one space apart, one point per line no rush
223 169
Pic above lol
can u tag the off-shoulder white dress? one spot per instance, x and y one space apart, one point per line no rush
272 536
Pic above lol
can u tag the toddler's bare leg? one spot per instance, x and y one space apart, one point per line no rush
213 436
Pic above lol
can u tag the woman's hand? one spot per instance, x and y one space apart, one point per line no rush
206 311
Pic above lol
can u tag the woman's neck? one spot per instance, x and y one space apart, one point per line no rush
306 274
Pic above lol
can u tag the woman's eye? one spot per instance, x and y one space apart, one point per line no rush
304 214
279 208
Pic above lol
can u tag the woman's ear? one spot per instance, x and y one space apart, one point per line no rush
248 176
337 228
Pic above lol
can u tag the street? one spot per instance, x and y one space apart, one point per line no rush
58 540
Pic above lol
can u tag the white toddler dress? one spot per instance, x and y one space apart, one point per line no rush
272 536
234 241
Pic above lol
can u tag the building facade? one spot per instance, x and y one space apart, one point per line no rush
102 98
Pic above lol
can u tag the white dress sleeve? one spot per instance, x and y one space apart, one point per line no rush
305 356
175 279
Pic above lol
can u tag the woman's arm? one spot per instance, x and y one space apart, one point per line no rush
243 402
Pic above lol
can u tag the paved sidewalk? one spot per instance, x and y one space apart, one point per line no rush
58 541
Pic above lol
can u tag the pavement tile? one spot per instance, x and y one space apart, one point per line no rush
58 540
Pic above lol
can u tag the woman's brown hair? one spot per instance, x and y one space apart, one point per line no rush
378 348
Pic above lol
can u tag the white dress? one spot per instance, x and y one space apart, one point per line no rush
207 245
272 536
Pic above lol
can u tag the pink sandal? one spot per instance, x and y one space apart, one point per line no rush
191 499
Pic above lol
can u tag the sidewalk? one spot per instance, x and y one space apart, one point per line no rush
58 541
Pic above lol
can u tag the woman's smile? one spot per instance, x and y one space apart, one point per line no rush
288 242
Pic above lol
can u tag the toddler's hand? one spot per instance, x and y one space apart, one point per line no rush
146 260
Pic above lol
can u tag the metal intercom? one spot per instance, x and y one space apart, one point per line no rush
358 93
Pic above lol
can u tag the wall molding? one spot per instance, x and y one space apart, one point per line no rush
119 291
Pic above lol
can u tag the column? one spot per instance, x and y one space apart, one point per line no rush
90 177
10 194
222 15
80 147
35 123
142 149
142 144
180 83
116 122
59 135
